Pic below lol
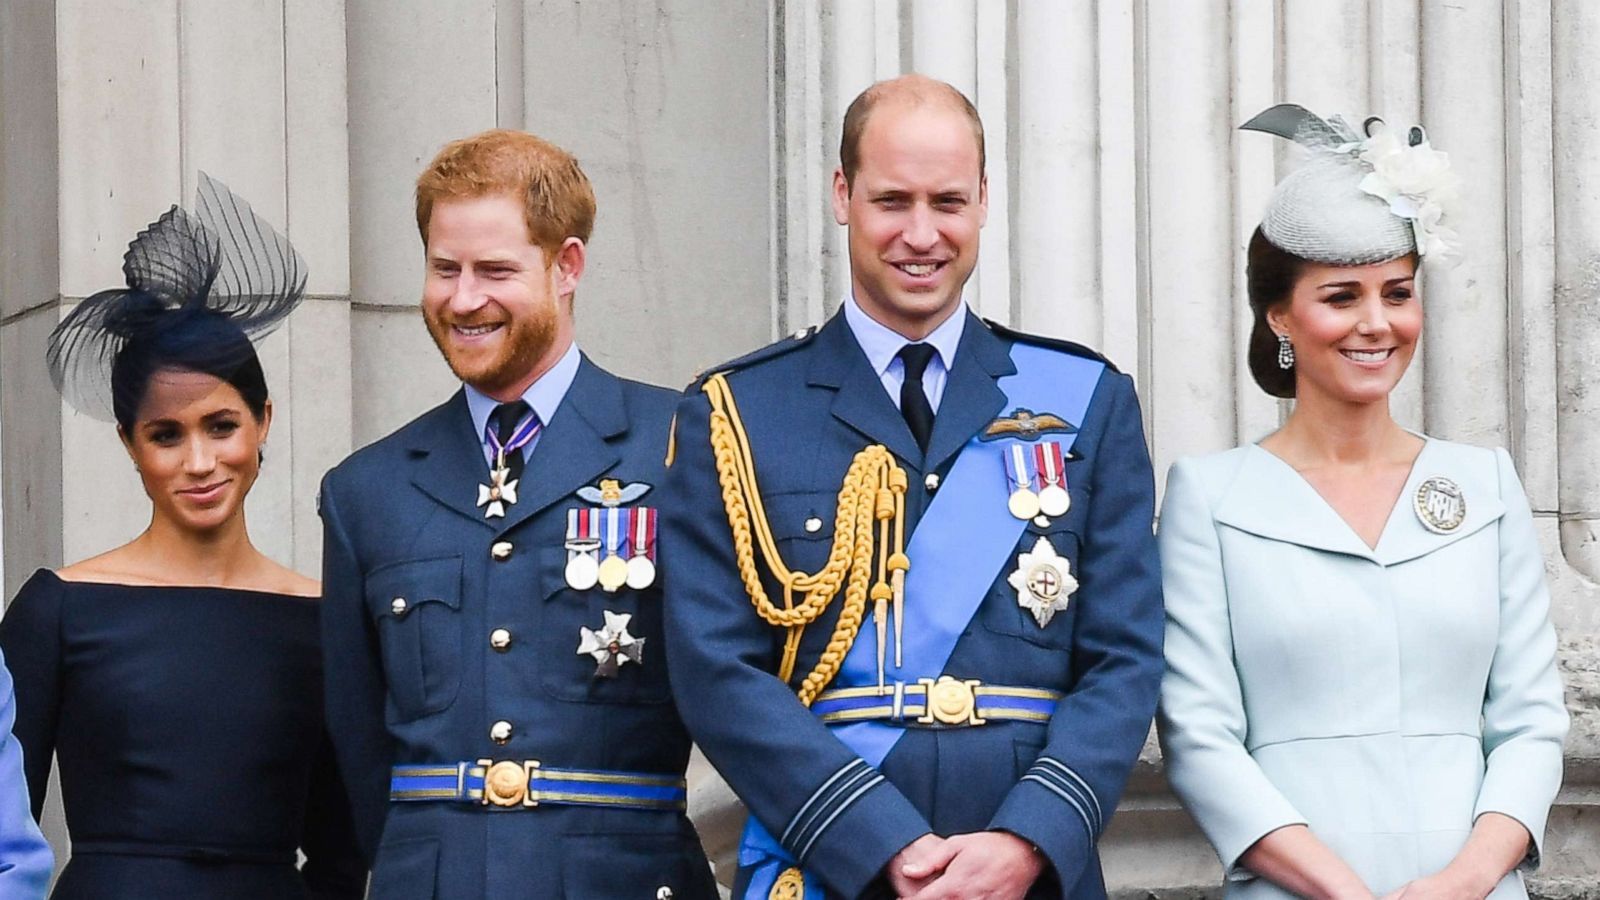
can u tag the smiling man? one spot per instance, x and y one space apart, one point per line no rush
923 637
496 686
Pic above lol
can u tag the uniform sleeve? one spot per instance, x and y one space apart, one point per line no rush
1201 721
354 688
30 636
1063 803
828 808
334 869
25 858
1524 720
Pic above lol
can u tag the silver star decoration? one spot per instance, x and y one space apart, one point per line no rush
612 645
500 490
1042 581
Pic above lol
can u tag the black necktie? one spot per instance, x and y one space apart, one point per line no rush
914 403
505 418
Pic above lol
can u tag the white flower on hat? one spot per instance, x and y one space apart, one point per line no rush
1417 183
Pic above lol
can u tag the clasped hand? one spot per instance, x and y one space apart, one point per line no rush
983 865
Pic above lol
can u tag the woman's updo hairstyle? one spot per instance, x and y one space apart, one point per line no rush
200 288
1270 274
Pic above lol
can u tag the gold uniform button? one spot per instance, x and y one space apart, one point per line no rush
500 732
398 606
501 550
931 482
500 639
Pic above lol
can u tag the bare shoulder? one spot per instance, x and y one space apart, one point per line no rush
116 566
284 580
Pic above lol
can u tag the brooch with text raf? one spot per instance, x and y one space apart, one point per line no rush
1440 505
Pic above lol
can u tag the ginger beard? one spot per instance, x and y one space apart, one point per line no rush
491 298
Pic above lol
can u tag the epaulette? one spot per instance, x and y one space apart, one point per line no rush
1071 347
771 351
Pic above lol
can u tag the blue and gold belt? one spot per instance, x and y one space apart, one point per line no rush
526 783
945 703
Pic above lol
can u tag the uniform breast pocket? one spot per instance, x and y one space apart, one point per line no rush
416 607
1039 581
624 663
802 527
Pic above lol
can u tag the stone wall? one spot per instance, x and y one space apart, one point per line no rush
1121 199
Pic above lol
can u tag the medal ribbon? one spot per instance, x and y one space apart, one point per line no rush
644 532
1047 455
1020 467
617 532
963 539
520 438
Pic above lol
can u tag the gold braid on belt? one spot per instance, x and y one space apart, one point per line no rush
874 487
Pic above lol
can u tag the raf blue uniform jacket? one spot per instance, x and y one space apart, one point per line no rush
809 405
425 687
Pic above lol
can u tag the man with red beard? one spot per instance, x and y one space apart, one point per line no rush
496 687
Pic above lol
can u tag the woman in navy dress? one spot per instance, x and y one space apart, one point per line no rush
177 678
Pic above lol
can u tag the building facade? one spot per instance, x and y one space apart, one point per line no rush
1121 198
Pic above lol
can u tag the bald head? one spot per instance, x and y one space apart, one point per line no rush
905 91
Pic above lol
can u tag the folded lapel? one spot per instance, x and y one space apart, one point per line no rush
1270 499
450 462
572 450
971 398
1473 470
860 401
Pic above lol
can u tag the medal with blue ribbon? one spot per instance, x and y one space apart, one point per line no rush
614 541
1021 467
502 488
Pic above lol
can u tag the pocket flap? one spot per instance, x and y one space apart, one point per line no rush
415 581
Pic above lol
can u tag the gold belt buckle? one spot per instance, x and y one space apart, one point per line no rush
505 783
949 701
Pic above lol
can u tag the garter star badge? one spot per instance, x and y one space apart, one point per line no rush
1440 505
611 646
1042 581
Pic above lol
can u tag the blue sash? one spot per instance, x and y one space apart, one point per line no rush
964 538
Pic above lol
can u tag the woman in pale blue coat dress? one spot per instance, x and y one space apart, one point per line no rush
1361 697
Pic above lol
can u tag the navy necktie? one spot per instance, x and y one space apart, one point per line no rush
914 403
505 418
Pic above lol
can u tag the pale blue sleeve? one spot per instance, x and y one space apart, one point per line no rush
1201 719
25 858
1524 719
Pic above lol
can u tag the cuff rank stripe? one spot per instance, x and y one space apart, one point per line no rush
837 794
1065 783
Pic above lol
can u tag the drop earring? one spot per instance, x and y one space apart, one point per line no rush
1285 352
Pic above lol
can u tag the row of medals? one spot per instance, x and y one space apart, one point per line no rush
585 570
1037 464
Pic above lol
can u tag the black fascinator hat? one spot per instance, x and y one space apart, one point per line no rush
200 287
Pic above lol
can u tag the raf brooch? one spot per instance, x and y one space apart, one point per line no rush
1042 582
1440 505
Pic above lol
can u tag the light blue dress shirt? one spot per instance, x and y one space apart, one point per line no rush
544 396
882 346
25 858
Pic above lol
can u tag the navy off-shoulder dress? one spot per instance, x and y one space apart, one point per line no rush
188 724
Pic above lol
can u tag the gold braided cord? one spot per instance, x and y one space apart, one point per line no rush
873 489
